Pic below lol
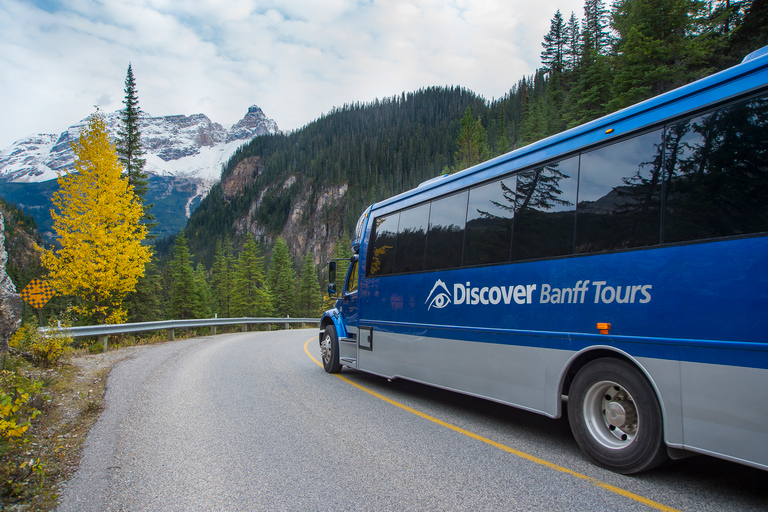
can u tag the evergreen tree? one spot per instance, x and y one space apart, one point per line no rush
309 299
221 278
129 148
185 299
145 303
472 143
97 220
572 45
282 281
203 292
555 43
656 50
250 297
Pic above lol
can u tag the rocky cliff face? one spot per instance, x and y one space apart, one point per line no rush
10 301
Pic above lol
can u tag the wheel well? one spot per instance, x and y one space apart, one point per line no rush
587 357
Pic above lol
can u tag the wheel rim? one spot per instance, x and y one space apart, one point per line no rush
611 415
325 349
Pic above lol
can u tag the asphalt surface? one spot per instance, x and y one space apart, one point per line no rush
249 421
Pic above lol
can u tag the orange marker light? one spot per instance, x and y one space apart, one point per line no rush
604 327
609 130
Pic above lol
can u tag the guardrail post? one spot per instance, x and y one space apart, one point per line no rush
213 330
287 325
269 327
171 336
245 327
103 340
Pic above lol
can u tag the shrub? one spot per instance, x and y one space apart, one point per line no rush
44 348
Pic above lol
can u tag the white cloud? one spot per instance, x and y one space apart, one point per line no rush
295 59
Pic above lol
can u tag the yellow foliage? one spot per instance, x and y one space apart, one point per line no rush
97 220
46 349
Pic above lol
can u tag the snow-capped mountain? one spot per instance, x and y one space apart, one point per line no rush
189 146
184 156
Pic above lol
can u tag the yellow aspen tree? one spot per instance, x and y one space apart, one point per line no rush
97 219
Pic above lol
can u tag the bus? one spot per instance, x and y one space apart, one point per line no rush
616 272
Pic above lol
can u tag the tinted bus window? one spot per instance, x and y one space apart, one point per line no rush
620 195
545 212
717 174
488 234
445 238
411 239
383 248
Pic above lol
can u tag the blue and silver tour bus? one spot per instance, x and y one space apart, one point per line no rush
618 270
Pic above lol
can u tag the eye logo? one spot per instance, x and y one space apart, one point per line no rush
442 297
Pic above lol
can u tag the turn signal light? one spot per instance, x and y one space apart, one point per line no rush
604 327
609 130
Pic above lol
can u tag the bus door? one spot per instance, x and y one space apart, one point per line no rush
349 316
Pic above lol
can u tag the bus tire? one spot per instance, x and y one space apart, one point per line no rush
329 350
615 417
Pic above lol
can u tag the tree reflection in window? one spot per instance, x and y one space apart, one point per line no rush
411 239
445 238
383 251
620 195
488 234
544 203
717 173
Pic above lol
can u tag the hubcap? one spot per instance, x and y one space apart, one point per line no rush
611 415
325 349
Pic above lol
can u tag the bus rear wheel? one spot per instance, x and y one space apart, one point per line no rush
329 350
615 417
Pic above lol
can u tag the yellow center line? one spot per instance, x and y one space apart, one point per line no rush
526 456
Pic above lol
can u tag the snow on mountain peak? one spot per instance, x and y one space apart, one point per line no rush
190 146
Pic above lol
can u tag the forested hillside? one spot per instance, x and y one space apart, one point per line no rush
311 185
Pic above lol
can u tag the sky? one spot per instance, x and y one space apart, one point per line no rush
295 59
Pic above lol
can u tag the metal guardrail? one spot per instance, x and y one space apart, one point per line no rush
104 331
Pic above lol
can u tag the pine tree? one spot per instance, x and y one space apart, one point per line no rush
553 56
185 300
144 304
472 143
221 278
129 148
203 292
282 281
250 297
309 298
656 50
97 220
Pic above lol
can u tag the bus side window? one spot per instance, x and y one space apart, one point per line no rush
619 204
445 237
411 239
545 211
488 234
717 175
352 282
382 257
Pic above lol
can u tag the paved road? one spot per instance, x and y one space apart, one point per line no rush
249 421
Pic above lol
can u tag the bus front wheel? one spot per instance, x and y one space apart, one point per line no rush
615 417
329 350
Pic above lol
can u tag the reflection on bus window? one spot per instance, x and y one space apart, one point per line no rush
717 174
411 239
545 205
445 238
489 223
619 203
